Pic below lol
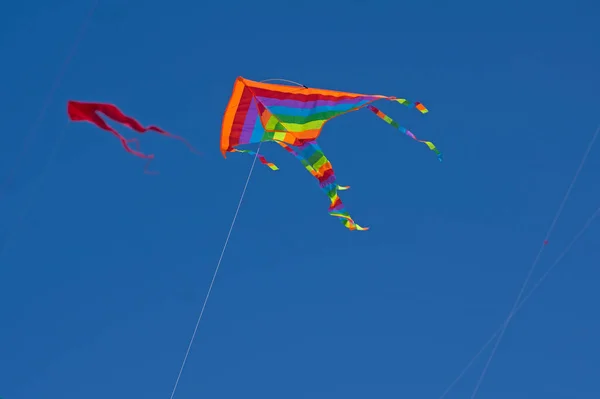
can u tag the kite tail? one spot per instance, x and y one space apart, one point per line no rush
78 111
84 111
261 158
415 104
403 129
173 136
337 209
117 115
308 166
320 167
150 158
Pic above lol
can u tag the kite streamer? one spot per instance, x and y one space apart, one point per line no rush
405 130
314 160
261 158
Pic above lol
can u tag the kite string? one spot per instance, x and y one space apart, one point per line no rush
215 274
256 156
534 264
525 299
562 255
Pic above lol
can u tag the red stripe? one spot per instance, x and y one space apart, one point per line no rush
240 117
261 109
336 203
326 175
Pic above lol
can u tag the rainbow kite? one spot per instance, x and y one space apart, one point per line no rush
293 117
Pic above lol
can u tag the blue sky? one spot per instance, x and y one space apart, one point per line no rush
104 269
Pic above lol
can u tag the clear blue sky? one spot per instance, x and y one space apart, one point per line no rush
103 279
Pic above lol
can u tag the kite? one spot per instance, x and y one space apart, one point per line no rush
293 118
88 112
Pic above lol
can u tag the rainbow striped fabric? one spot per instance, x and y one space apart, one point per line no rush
294 117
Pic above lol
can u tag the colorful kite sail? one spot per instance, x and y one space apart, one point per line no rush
88 112
293 117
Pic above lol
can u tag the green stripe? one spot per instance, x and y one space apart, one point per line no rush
321 116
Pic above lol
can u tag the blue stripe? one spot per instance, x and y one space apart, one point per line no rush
258 132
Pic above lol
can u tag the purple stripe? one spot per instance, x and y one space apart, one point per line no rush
270 102
339 207
329 181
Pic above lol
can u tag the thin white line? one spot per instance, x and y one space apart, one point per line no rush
220 259
525 299
215 274
533 265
